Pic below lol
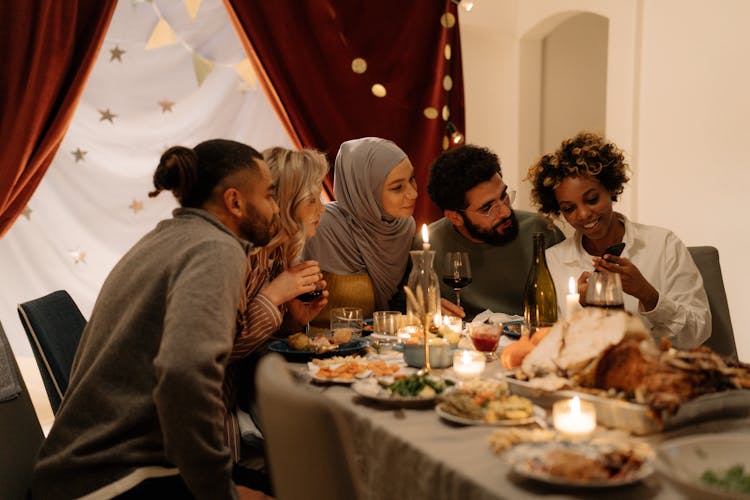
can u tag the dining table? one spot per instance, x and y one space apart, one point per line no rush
413 453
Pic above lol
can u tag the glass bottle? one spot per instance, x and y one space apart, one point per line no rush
539 297
425 287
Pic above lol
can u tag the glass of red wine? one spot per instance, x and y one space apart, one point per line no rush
457 272
308 297
604 289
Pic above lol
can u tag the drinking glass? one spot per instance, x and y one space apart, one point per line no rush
347 318
604 289
457 273
485 337
386 322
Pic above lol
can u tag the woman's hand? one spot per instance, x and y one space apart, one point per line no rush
633 282
301 313
298 279
448 308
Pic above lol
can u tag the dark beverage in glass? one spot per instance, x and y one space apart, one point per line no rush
310 296
456 283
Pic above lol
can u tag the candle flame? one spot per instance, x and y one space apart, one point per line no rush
425 234
575 406
572 285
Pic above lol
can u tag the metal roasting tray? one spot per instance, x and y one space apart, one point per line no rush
640 419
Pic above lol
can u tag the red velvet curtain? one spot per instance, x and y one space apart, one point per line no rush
48 48
341 69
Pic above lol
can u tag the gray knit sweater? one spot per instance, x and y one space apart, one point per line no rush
145 391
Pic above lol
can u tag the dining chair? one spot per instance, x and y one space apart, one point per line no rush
706 259
53 325
308 439
20 432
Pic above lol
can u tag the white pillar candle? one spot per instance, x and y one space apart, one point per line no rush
468 364
572 298
574 418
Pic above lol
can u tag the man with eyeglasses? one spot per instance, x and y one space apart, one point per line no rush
466 184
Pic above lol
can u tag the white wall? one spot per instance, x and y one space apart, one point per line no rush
694 134
677 101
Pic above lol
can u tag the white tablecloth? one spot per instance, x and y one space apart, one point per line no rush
413 454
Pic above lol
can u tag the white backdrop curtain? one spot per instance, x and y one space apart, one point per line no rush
193 84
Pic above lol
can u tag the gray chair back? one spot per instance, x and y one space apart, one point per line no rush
722 335
20 433
308 440
53 325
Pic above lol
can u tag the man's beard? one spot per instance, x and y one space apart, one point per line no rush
256 231
491 236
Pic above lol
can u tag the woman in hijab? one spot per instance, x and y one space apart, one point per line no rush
363 242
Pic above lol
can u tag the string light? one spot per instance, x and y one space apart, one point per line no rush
467 5
455 136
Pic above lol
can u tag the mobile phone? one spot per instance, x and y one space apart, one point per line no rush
615 249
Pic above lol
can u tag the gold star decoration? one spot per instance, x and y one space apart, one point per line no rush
78 256
166 105
27 212
136 206
116 53
79 154
106 115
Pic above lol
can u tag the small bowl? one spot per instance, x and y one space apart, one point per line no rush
441 355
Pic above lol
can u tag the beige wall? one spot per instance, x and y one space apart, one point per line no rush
676 100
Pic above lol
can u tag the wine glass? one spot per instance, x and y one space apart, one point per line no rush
457 272
311 296
604 289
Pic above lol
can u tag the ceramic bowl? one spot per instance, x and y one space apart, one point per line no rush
441 355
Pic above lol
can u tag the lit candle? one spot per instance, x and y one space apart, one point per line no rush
574 418
453 323
425 238
573 298
468 364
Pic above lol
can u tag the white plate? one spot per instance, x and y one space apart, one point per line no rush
537 413
523 457
684 460
326 380
370 389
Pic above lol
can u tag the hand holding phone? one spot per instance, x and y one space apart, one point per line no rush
615 249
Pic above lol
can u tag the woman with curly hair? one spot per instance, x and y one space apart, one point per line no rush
581 180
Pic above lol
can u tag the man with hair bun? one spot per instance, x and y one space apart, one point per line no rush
143 414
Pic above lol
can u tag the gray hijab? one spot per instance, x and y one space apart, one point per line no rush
355 234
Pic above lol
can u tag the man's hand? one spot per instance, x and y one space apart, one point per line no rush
448 308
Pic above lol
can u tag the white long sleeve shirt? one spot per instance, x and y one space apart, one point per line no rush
682 312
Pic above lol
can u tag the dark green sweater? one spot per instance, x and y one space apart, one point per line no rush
146 386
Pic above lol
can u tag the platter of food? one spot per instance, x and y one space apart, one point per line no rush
707 466
345 370
638 418
581 464
487 402
410 391
303 355
610 359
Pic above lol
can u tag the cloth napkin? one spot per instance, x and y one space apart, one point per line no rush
495 318
9 385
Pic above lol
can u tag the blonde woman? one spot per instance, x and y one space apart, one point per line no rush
276 277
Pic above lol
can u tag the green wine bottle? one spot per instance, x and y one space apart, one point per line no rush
539 297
